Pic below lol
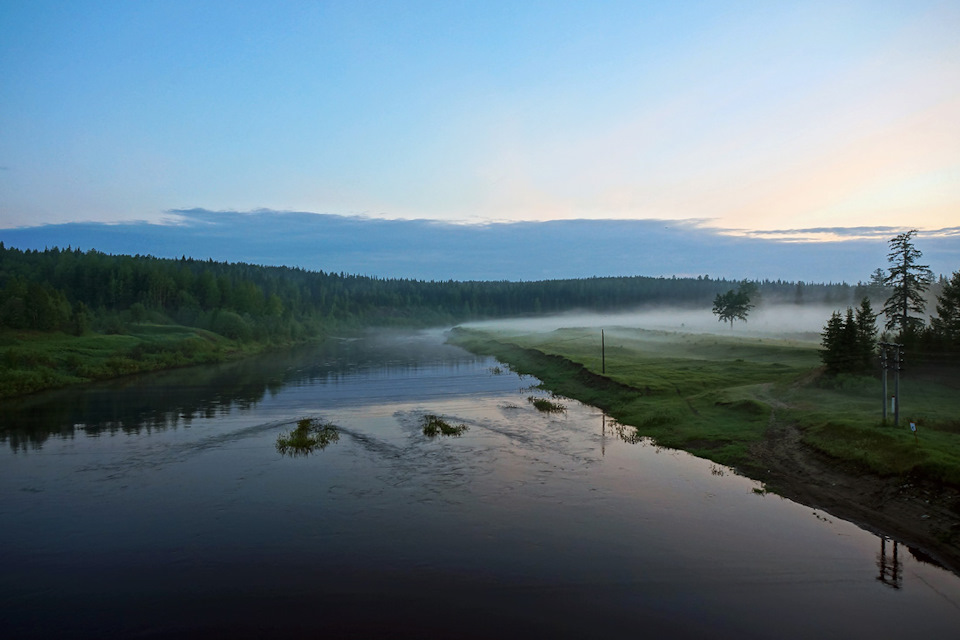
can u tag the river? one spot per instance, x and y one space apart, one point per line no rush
159 506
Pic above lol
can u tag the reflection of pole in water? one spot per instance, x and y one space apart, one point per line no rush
890 573
603 436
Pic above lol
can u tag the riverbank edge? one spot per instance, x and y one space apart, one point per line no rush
922 515
222 350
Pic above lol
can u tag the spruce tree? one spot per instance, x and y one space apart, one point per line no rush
832 342
909 280
866 332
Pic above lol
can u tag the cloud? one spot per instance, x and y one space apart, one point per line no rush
558 249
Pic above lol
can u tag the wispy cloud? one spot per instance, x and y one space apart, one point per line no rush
837 234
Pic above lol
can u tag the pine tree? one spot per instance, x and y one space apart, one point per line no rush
909 280
848 341
866 332
832 340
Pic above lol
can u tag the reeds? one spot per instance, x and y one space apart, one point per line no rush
546 406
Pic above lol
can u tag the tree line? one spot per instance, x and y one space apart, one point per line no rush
849 341
80 291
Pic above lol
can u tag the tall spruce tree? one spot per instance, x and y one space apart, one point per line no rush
909 280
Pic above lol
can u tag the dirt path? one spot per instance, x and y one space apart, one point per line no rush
925 517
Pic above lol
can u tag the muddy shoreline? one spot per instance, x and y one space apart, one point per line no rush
921 515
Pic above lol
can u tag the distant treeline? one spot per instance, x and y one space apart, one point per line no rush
79 291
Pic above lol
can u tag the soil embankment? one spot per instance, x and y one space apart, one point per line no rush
920 514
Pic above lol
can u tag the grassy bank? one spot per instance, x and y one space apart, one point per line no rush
34 361
720 397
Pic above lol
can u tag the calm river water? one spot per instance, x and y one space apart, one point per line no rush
159 507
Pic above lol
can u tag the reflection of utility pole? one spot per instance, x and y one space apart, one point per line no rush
890 574
896 363
603 436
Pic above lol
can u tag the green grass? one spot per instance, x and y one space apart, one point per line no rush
33 361
717 396
842 418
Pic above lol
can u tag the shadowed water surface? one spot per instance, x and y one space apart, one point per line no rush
159 507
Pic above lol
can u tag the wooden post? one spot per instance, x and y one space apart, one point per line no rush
896 390
603 354
883 365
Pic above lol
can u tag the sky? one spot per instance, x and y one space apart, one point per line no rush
785 121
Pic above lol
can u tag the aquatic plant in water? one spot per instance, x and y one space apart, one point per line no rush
309 435
434 425
546 406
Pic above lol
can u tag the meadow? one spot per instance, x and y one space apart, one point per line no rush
722 397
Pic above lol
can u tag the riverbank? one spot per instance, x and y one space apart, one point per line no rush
763 407
35 361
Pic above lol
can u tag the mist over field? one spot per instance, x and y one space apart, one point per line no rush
786 321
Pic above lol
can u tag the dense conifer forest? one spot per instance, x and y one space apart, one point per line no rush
78 291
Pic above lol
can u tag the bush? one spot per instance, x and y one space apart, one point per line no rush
231 325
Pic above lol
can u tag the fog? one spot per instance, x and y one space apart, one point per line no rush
786 321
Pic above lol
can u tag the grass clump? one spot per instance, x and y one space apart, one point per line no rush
434 425
546 406
310 435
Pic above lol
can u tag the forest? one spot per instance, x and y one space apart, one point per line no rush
69 316
75 292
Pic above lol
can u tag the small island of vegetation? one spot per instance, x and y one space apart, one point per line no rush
434 425
309 436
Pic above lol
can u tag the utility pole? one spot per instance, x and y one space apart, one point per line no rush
603 354
896 362
883 365
896 388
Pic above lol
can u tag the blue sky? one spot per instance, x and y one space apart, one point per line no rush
745 118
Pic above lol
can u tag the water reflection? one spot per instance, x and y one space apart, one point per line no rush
890 571
175 399
543 522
